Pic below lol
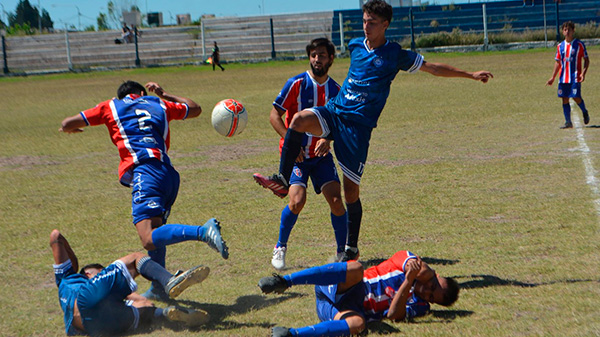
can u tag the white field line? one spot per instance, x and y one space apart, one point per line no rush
590 177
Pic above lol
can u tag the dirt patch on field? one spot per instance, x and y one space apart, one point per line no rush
24 162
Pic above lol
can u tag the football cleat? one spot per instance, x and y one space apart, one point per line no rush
275 283
213 238
156 293
181 281
567 126
586 118
189 317
278 260
275 183
350 254
279 331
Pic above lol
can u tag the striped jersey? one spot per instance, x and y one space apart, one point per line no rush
367 86
381 284
139 127
302 92
570 56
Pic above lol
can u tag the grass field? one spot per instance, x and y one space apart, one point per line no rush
477 179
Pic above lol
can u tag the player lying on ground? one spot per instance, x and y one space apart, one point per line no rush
350 117
102 301
138 125
348 296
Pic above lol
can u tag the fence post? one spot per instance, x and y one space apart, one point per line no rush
273 54
545 26
69 63
413 45
342 45
203 45
137 53
485 32
557 24
4 53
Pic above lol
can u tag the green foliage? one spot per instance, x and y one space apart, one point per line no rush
102 22
27 15
90 28
19 30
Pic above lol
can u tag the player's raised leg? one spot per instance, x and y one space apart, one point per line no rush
303 121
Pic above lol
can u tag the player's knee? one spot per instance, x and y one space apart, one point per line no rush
354 272
147 242
356 322
297 204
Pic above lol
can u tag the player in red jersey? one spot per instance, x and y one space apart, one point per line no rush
348 296
315 161
569 56
138 125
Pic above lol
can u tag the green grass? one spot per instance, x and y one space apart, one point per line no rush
476 178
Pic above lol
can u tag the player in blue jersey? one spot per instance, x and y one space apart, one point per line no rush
350 117
138 125
308 89
348 296
102 301
569 56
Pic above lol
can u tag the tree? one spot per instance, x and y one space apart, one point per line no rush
27 15
116 8
101 22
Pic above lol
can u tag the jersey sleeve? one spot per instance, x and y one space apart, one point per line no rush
401 258
287 97
584 49
557 55
175 110
410 61
97 115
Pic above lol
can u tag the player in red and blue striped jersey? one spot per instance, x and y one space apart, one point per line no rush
348 296
308 89
572 62
138 125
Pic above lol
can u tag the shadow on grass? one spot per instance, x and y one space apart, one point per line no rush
435 316
219 312
428 260
484 281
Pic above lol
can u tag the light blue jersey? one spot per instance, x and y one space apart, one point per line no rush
367 86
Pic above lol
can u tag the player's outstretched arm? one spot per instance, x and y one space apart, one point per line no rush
194 108
445 70
73 124
61 250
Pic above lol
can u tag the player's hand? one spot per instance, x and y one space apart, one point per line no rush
550 81
71 131
300 157
483 76
412 268
155 88
323 147
580 78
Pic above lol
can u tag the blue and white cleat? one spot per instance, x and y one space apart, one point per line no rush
212 236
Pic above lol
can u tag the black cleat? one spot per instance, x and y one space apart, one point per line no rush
586 118
350 255
567 126
275 283
279 331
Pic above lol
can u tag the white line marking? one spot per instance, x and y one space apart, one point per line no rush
591 179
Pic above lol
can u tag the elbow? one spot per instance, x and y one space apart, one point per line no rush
194 112
54 236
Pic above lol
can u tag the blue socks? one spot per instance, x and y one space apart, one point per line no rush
332 273
288 220
327 328
582 106
289 152
340 229
567 112
153 271
174 233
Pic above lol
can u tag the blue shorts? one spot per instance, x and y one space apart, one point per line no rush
350 141
330 304
321 171
571 90
102 304
153 190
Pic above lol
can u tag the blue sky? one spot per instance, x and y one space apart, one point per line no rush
71 12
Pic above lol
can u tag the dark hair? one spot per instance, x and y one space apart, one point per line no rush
451 293
569 24
380 8
130 87
320 42
91 265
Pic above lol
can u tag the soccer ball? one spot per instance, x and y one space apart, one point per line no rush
229 117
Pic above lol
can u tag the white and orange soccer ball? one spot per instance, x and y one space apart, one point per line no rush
229 117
